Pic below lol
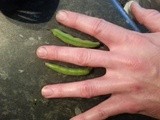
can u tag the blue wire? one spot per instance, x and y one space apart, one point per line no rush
129 21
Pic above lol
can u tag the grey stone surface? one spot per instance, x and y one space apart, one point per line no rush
22 74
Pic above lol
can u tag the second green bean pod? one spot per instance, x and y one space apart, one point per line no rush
68 71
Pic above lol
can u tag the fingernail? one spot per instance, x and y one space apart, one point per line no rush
127 6
42 52
61 15
47 91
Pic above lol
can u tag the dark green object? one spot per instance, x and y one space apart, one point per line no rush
69 71
69 39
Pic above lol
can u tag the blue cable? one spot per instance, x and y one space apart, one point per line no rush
129 21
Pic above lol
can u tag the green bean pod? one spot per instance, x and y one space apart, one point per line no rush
69 39
68 71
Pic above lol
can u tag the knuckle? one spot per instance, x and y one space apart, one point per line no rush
86 90
98 27
130 37
133 107
137 38
83 57
135 64
136 87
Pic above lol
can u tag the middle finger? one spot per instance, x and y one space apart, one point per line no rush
78 56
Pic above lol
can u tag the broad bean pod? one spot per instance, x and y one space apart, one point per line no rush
69 39
69 71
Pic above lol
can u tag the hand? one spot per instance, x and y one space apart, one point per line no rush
133 65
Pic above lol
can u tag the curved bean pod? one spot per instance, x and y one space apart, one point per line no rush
69 39
69 71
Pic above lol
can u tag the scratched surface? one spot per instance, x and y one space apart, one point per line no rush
23 28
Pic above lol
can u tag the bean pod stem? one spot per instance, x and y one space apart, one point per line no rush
69 71
69 39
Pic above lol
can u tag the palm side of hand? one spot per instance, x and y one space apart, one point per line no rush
133 65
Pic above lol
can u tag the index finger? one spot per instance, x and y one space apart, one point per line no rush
106 32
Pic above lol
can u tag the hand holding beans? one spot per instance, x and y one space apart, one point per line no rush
133 65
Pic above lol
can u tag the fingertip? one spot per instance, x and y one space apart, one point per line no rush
46 92
41 52
61 15
137 11
134 6
134 3
127 6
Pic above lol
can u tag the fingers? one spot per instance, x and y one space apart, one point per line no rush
113 106
148 17
106 32
78 56
84 89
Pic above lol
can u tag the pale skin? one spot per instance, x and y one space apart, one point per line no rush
133 65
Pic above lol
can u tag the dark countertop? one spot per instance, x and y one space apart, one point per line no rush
22 74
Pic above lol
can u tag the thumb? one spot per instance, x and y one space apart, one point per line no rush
147 17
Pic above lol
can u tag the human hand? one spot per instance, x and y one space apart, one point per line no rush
133 65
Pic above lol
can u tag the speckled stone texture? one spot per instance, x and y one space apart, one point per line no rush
23 28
